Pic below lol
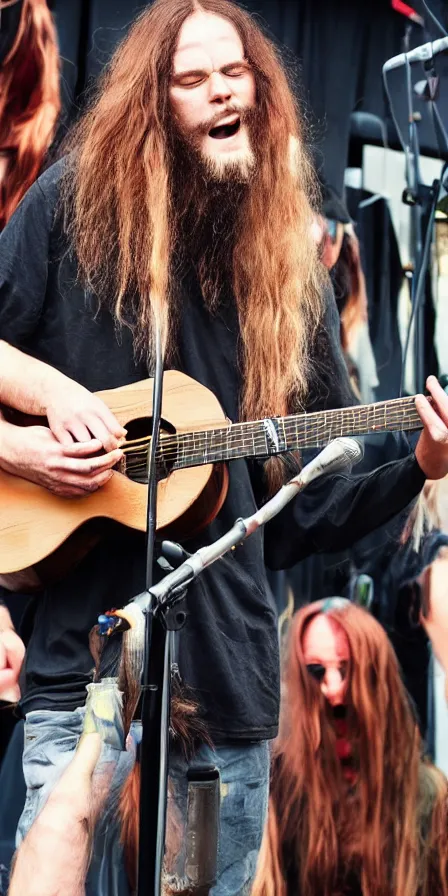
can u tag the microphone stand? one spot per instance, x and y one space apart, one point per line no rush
153 753
413 196
423 201
170 592
164 607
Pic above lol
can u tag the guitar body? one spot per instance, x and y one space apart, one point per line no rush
34 523
40 533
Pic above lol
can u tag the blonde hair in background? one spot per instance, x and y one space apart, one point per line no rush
430 511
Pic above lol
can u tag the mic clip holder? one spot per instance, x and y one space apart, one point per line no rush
421 195
172 610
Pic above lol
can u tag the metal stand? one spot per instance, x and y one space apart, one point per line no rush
155 701
164 606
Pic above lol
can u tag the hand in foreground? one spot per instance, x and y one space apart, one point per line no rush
55 854
432 447
12 651
68 470
76 415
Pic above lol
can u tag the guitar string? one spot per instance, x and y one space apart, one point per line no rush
210 437
256 441
338 417
199 446
406 405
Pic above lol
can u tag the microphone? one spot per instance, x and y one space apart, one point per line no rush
338 456
424 53
341 454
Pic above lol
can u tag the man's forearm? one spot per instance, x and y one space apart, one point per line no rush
54 857
26 383
334 512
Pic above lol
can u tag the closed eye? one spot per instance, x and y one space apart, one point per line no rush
235 71
192 79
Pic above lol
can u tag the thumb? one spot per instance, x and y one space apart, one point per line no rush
15 650
86 756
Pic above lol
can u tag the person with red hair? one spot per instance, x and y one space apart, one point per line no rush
29 98
355 808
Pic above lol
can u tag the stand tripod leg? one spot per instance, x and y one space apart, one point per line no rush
154 756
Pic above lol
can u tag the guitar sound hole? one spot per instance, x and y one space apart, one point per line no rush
141 428
137 445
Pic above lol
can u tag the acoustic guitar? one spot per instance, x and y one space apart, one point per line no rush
196 440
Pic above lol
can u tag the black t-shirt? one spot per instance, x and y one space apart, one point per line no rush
228 649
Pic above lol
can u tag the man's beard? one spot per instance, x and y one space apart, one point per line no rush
205 218
237 167
207 199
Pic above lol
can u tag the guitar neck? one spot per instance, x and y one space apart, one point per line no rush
277 435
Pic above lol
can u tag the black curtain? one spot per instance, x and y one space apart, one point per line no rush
338 48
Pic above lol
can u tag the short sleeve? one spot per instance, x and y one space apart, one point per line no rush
24 255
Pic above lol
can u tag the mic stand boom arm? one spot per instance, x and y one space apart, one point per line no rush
166 591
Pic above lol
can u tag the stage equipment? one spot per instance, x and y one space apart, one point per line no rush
155 683
164 607
422 199
424 53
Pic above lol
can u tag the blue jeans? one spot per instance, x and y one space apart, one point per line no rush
50 740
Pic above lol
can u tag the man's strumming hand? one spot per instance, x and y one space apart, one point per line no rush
76 415
71 469
73 413
12 651
432 447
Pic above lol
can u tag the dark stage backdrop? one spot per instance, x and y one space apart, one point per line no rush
337 48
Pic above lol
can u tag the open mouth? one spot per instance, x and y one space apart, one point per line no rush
224 131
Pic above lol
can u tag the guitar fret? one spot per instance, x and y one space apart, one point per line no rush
277 435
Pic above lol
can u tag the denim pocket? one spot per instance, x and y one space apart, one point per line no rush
50 741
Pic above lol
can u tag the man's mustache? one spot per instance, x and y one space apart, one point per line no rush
244 112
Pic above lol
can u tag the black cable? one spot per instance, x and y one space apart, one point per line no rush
392 112
419 291
435 19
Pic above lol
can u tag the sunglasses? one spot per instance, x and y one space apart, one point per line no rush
318 671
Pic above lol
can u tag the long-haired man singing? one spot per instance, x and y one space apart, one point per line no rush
185 202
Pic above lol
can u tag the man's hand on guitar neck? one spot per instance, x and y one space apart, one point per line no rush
432 447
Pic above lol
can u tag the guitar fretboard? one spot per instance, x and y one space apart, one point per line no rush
277 435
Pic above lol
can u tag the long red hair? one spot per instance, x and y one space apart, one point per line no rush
29 102
121 207
391 830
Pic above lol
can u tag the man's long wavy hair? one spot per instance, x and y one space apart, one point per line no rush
29 101
390 830
122 208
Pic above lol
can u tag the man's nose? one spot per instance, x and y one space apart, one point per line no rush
333 686
219 88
